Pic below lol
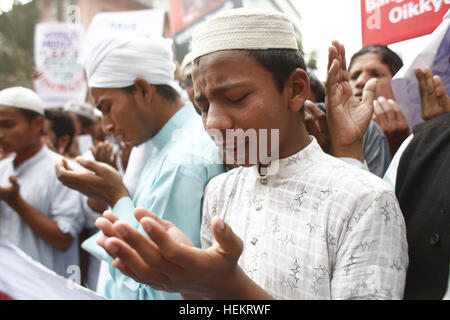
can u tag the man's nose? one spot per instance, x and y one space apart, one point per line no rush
107 125
362 80
217 119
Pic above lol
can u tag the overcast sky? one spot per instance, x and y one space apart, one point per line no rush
327 20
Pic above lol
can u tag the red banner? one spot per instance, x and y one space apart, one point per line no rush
389 21
183 12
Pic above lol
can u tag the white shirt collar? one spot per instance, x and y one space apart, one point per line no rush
300 161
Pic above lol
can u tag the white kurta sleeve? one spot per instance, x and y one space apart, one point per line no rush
65 209
372 260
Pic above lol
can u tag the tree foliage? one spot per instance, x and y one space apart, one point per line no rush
16 44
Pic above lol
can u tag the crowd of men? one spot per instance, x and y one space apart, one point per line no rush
247 178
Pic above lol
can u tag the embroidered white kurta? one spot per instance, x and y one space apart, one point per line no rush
316 228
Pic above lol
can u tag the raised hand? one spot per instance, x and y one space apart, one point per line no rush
167 260
317 125
98 180
103 152
434 96
348 118
391 120
10 192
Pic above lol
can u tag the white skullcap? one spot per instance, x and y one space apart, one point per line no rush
116 60
187 60
22 98
81 108
245 29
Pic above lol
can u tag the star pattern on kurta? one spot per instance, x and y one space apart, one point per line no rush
312 227
276 225
396 266
355 291
319 275
289 283
330 239
384 212
295 269
294 209
206 220
287 239
365 245
324 195
292 160
299 196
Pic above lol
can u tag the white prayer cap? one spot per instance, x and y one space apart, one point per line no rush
116 60
81 108
187 60
245 29
22 98
186 66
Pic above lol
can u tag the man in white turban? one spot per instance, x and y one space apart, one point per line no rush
303 225
37 212
131 80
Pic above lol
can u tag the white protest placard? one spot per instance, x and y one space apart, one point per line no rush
149 22
60 77
22 278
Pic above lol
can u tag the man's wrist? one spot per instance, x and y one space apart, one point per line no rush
240 287
354 151
14 201
117 196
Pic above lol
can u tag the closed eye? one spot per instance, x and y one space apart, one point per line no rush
239 99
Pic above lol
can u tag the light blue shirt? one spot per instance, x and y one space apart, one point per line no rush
182 158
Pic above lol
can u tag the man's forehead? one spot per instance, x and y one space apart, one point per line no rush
103 93
220 65
12 111
368 60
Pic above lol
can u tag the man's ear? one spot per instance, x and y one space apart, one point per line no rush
37 125
297 89
145 89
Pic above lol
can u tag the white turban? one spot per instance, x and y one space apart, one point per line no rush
116 60
81 108
22 98
243 29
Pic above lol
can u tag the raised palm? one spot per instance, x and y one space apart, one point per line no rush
348 118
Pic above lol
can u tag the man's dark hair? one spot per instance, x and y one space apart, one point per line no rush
29 114
62 124
85 122
316 86
280 63
166 91
387 56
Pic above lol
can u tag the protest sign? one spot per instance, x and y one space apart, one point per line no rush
59 77
143 22
22 278
390 21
